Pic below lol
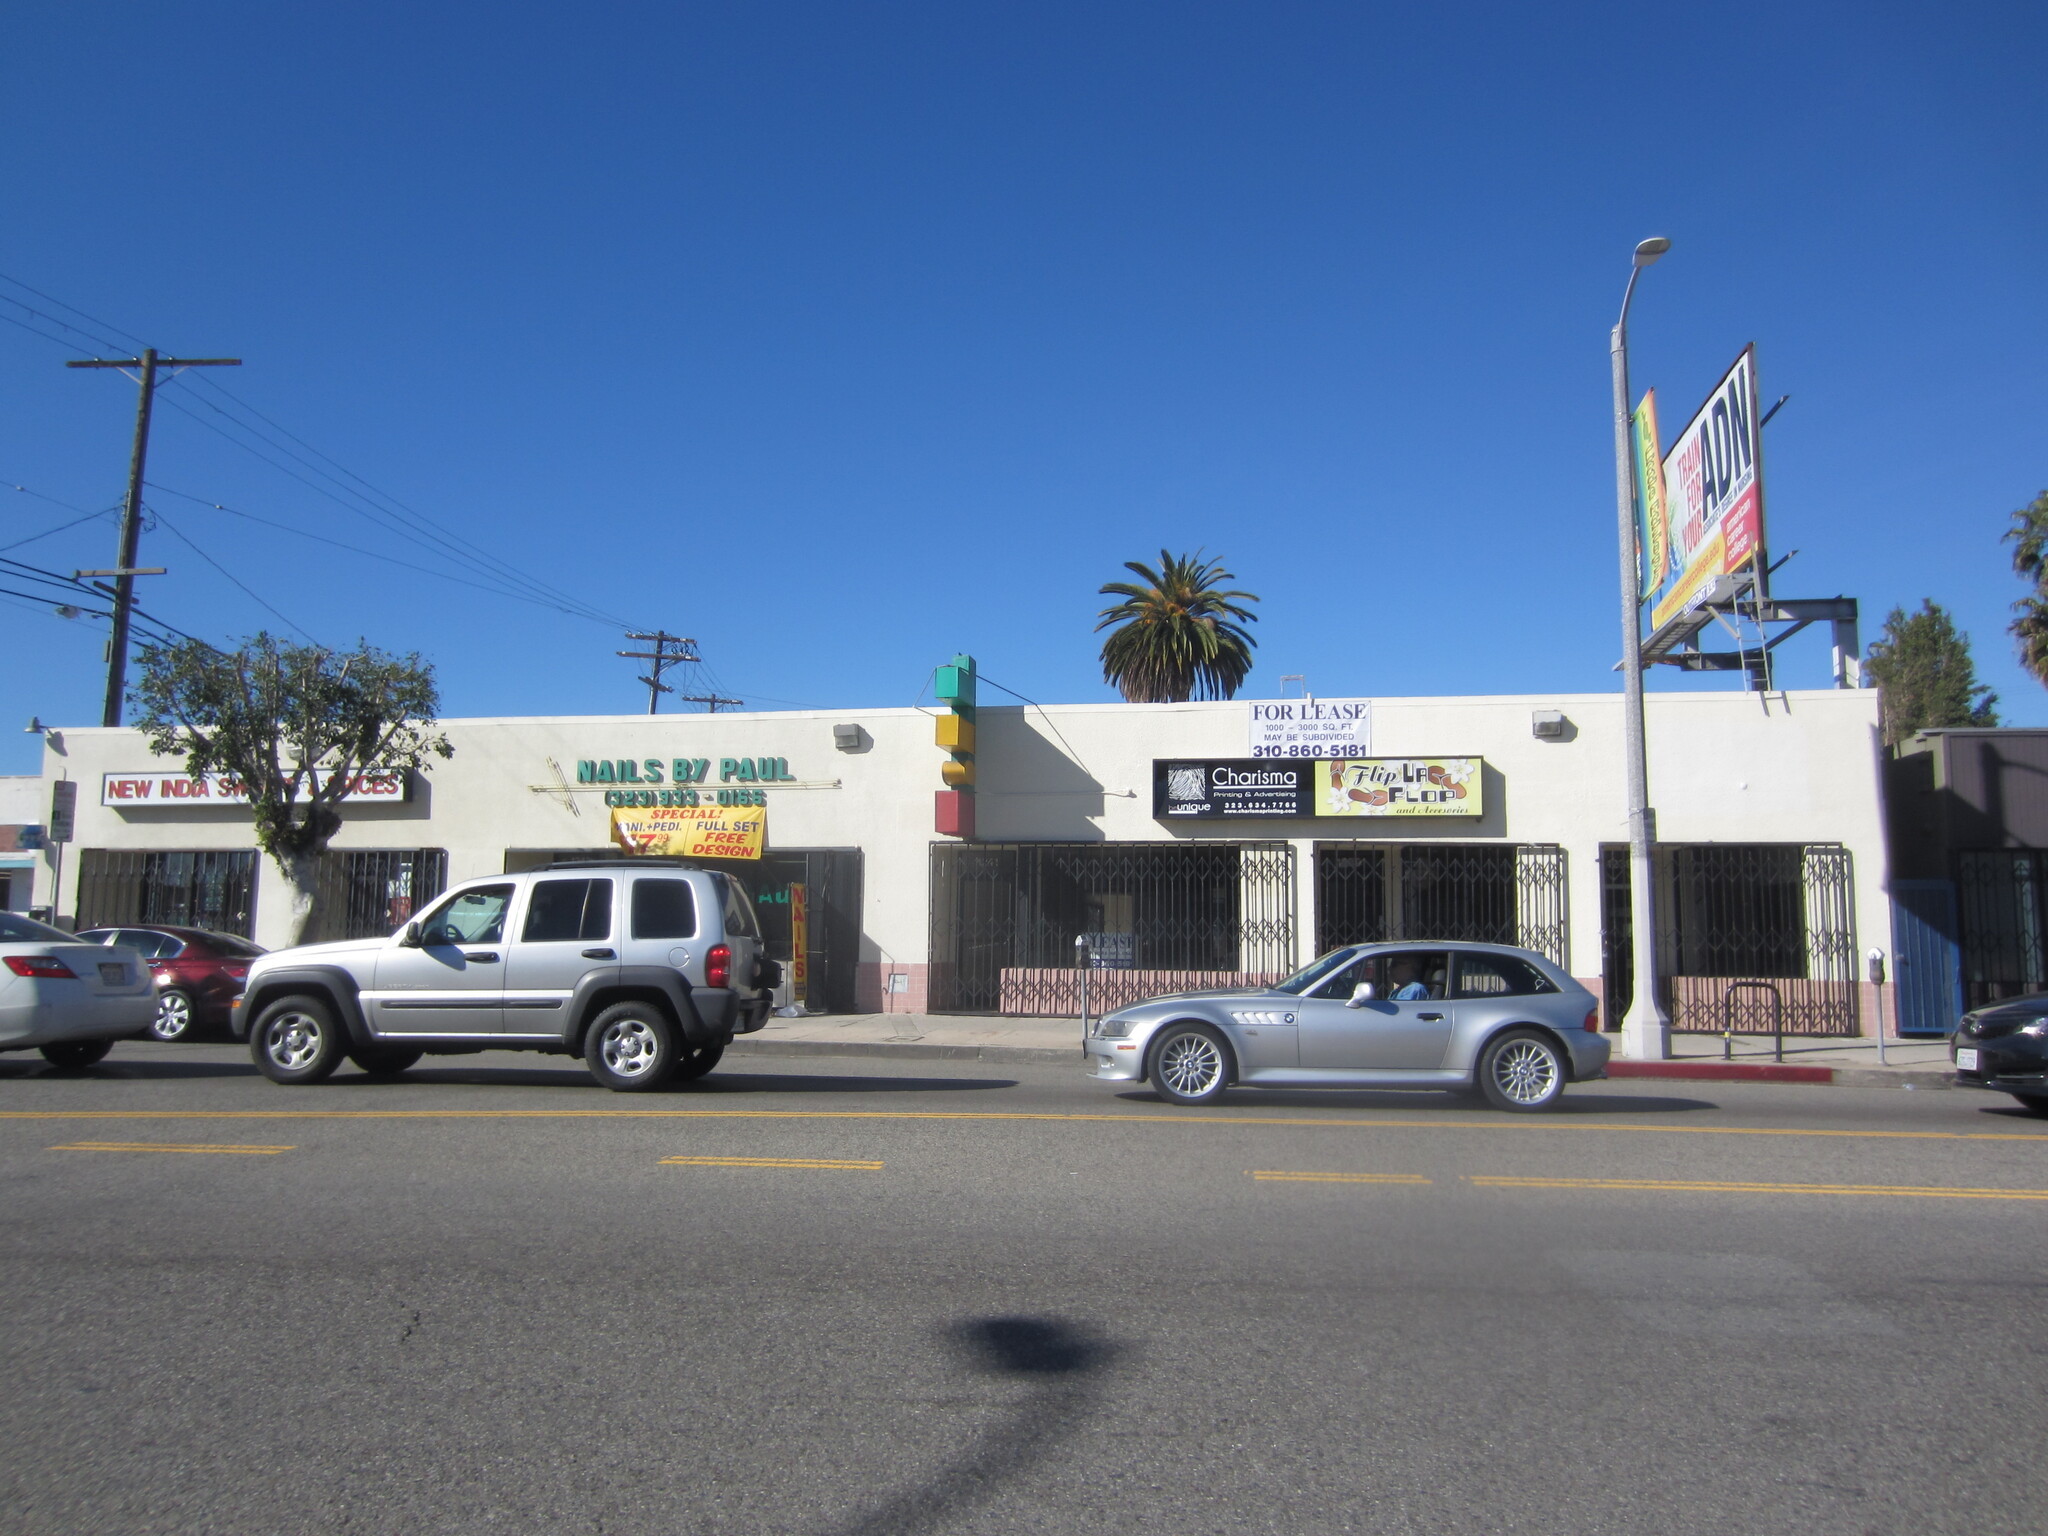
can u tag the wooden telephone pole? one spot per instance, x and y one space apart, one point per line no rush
125 571
662 658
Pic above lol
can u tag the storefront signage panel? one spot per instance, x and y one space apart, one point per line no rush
1400 786
1311 728
692 831
1247 789
139 791
683 770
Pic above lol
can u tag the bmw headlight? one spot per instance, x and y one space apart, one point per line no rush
1115 1027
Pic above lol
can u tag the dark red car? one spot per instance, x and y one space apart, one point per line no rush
198 973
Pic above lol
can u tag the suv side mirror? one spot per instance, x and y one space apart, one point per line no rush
411 937
1361 994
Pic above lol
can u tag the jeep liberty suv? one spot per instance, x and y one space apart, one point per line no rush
646 970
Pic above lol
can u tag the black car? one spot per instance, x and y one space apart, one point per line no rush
2005 1047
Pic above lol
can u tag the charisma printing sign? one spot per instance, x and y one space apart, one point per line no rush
1234 789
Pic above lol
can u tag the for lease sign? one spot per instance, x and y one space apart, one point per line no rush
1311 728
152 790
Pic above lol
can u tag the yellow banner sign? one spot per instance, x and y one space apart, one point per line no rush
692 831
1400 786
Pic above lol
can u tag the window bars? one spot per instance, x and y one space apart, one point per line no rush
1490 893
211 888
1005 918
2002 922
1729 913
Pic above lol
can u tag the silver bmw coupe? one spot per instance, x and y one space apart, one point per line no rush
1485 1018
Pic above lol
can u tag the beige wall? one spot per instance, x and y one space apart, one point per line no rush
1724 766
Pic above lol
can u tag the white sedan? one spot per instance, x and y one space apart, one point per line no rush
68 999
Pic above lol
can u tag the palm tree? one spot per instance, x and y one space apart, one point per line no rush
1176 641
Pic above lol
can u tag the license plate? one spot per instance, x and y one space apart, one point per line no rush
114 975
1966 1061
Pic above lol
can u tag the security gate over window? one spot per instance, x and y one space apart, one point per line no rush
206 889
2003 923
1777 913
1160 917
375 891
1488 893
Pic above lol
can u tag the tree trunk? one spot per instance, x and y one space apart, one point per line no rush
303 878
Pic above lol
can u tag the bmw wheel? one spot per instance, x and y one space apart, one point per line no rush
297 1040
1522 1071
1189 1064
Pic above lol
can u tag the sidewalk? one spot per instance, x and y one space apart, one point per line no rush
979 1037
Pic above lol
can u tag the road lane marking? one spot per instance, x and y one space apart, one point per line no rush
843 1164
1282 1176
1709 1186
159 1146
1362 1123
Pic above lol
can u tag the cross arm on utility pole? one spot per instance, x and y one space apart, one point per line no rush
162 362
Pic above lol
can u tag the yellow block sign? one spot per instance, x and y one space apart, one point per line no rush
1400 786
692 831
799 943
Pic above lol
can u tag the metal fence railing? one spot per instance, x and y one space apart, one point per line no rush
2002 923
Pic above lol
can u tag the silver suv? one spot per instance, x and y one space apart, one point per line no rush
645 970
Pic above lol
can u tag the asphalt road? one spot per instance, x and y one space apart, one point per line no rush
493 1297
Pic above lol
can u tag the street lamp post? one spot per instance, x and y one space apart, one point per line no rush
1646 1028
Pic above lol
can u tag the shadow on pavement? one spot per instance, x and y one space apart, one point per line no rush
779 1082
1426 1101
1053 1363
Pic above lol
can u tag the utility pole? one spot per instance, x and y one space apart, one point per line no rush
663 658
710 699
124 572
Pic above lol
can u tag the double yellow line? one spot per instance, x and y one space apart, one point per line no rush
167 1146
1655 1186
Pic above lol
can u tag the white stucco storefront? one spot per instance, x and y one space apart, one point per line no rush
1771 803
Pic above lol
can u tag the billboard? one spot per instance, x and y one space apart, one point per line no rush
1701 509
1234 789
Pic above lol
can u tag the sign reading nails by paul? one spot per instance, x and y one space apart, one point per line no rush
1400 786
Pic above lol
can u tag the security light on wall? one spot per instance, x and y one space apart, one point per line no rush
1548 725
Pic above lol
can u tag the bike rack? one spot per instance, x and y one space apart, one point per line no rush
1728 1017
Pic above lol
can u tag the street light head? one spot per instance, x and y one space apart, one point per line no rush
1651 249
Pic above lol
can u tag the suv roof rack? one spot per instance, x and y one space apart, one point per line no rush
624 858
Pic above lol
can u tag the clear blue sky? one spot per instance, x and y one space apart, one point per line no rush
842 336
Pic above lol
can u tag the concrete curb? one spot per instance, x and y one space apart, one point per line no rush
1673 1071
908 1051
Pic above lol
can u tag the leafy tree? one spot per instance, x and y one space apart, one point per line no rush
1176 639
1922 666
296 724
2028 537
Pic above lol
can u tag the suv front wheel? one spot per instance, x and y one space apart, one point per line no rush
631 1048
297 1040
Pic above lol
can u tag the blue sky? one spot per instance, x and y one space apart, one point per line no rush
845 336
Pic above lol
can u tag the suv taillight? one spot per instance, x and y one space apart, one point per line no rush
41 965
1593 1022
717 966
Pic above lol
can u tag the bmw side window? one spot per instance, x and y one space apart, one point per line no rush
1343 982
469 917
559 911
1499 976
664 909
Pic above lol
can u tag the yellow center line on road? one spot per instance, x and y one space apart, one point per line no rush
1240 1121
1708 1186
841 1164
158 1146
1280 1176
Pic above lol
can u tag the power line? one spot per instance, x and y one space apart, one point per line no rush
89 517
253 596
354 549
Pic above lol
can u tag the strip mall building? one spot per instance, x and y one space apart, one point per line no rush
1149 829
